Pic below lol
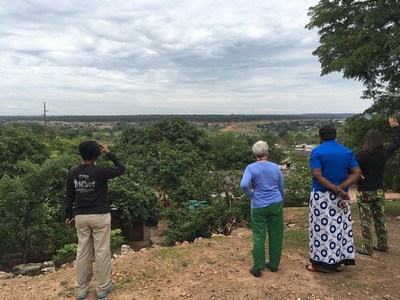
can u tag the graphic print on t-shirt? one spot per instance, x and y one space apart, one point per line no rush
83 184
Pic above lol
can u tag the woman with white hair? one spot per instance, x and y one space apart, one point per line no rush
263 182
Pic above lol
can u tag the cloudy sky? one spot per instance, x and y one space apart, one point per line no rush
95 57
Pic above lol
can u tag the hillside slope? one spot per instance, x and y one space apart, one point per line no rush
218 268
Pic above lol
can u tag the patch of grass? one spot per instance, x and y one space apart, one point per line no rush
393 209
210 261
64 282
128 282
69 292
295 239
184 263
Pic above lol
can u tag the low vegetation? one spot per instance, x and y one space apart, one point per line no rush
169 162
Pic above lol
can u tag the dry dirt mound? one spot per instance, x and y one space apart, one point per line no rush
218 268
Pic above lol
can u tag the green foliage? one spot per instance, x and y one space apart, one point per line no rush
362 40
66 254
218 217
229 151
29 204
353 133
19 143
116 239
132 200
170 155
298 182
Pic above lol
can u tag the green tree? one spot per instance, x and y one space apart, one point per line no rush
298 181
19 143
353 133
361 39
229 151
171 155
31 205
132 200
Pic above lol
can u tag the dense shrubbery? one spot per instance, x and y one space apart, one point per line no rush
172 157
298 182
67 253
186 224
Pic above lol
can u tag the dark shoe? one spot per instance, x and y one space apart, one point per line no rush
380 249
363 252
268 266
337 269
82 296
103 295
255 273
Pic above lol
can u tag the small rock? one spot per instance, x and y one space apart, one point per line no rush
48 270
216 235
125 249
4 275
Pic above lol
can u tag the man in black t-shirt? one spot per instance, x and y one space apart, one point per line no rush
87 209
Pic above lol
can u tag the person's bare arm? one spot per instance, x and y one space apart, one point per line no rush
104 148
354 174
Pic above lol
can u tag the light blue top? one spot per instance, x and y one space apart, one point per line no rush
334 160
266 183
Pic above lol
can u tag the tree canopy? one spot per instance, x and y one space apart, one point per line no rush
361 39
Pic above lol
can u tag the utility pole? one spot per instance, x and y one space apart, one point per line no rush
44 114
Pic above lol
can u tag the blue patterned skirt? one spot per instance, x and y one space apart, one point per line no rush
331 232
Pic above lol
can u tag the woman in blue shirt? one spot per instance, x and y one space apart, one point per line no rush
263 182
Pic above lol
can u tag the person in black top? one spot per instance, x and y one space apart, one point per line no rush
370 195
87 209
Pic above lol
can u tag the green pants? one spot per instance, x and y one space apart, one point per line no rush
271 218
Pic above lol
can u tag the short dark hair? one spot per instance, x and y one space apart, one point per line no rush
89 150
327 133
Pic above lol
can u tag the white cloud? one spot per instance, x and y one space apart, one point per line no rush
131 57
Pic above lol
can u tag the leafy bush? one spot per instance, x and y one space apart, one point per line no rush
116 239
68 252
218 217
298 182
133 200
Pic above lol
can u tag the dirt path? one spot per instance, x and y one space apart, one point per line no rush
218 268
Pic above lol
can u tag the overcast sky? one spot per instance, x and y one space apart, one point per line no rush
95 57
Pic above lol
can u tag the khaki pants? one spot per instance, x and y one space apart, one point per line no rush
93 242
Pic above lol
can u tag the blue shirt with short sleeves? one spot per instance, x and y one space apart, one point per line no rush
334 160
266 183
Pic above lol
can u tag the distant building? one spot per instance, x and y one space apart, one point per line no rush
304 147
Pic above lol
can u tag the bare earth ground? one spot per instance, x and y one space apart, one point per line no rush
218 268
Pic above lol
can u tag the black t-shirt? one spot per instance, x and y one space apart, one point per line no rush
87 186
373 165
